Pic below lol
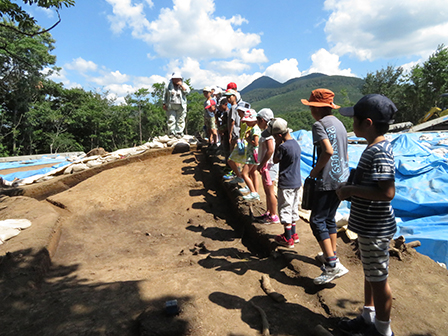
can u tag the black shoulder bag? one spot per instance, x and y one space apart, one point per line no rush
309 187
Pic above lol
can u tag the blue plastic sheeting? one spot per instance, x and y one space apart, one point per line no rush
29 163
29 173
421 180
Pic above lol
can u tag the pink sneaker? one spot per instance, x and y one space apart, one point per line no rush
281 240
295 237
273 219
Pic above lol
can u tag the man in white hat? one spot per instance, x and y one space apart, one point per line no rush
175 104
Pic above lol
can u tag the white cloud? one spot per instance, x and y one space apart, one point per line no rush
188 29
328 64
283 70
108 78
60 77
229 67
147 82
127 14
373 29
120 90
50 13
81 65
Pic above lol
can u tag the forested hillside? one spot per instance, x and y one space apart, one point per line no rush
284 100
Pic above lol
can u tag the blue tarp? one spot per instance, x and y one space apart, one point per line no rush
421 198
58 162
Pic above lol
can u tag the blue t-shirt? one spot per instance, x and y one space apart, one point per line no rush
370 218
288 154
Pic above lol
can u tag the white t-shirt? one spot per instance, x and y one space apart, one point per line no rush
263 148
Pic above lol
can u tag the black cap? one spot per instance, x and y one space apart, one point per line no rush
377 107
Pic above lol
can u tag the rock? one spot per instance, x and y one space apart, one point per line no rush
181 147
97 151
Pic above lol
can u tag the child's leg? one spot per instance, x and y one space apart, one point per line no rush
234 166
318 224
271 200
377 292
214 136
253 174
323 224
246 176
295 213
285 213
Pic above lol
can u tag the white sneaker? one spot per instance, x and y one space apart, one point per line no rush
244 190
320 257
330 273
253 196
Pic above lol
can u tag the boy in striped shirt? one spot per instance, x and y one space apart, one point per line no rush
371 214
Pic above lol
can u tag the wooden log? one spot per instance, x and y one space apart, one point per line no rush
267 288
413 244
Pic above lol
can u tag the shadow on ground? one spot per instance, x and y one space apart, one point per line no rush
62 304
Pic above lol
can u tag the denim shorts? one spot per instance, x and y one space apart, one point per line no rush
322 220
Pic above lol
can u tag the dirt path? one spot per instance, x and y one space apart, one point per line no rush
138 235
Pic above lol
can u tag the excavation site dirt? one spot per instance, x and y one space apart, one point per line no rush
138 236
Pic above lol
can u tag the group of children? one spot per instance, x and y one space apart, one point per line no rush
260 143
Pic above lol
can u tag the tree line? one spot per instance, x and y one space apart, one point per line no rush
38 115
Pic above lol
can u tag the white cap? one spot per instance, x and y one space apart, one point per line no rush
276 126
176 75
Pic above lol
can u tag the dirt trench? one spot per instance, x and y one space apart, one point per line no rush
136 236
163 227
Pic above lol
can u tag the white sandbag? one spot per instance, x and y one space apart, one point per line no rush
156 144
44 178
341 220
79 167
31 179
172 142
68 170
111 158
92 164
16 223
440 151
162 139
7 233
443 142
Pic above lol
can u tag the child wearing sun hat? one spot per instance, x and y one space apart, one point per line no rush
330 171
249 173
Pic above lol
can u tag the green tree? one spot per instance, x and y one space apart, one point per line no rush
10 11
425 83
413 93
22 59
139 99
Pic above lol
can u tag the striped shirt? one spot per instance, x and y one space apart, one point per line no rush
370 218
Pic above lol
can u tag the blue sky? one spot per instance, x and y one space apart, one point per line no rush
119 46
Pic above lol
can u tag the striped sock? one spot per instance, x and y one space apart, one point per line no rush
293 228
331 261
288 234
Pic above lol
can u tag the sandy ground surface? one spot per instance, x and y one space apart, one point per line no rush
136 236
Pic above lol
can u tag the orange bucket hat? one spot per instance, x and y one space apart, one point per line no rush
321 98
